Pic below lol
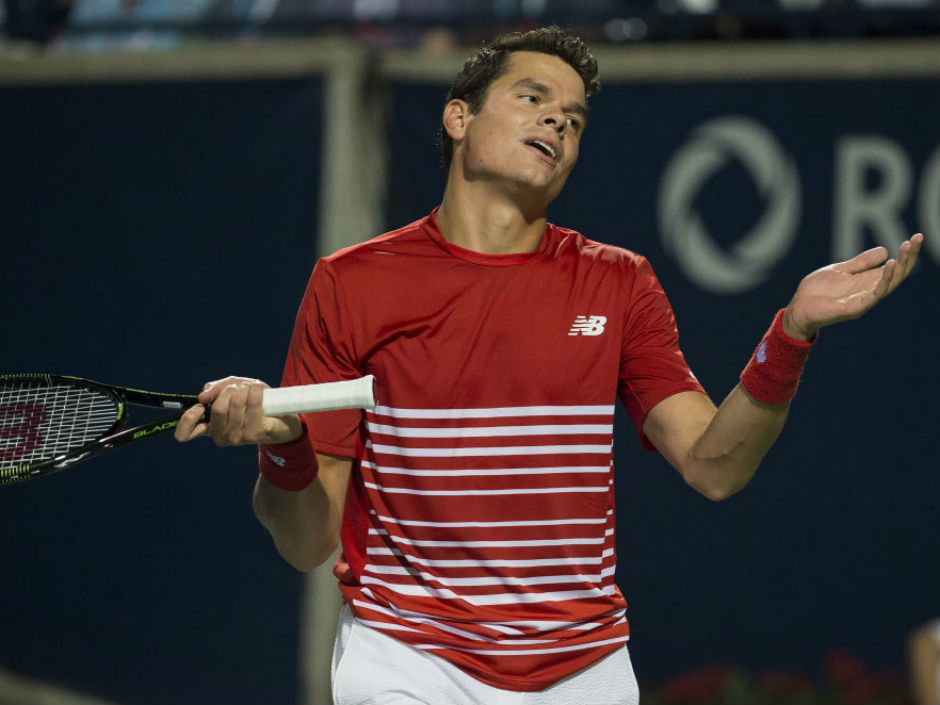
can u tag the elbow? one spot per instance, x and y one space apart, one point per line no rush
713 486
302 564
716 493
302 549
718 478
307 555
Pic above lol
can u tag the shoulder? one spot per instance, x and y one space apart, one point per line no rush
400 241
571 243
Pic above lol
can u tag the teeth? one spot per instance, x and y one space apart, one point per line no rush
547 148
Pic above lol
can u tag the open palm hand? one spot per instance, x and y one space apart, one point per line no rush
847 290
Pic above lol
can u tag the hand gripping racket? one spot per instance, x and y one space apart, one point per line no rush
49 422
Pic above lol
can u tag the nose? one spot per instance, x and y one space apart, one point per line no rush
556 120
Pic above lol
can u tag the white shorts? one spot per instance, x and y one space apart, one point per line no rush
372 667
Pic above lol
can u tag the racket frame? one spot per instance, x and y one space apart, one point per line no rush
116 435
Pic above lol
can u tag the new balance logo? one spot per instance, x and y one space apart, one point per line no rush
762 352
588 325
276 459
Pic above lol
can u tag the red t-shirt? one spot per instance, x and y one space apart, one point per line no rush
479 522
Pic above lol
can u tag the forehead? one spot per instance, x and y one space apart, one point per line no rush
544 68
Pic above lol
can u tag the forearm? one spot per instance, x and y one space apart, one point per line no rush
303 516
303 524
733 444
717 451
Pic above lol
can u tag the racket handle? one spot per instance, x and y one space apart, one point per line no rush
328 396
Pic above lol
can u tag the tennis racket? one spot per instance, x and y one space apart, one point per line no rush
49 422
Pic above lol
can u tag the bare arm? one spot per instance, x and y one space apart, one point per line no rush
718 450
304 524
923 661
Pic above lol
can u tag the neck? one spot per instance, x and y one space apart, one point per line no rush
488 223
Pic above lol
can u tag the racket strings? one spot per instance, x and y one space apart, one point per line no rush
42 422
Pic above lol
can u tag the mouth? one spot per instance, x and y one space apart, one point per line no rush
544 148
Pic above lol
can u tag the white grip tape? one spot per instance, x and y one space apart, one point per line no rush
354 394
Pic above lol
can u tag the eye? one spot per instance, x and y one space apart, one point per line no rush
530 98
573 124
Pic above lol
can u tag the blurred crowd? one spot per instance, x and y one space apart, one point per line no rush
96 23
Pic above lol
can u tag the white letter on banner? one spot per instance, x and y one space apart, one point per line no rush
878 208
928 206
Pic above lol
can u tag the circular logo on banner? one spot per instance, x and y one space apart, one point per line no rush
749 261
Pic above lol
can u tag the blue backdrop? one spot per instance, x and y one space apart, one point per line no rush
834 543
157 236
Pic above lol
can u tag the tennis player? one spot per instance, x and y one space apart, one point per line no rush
475 505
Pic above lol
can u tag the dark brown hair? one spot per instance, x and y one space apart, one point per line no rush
478 72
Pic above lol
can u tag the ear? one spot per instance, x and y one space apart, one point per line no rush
456 117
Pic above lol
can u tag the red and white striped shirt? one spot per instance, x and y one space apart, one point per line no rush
479 522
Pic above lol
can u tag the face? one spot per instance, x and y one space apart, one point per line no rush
526 135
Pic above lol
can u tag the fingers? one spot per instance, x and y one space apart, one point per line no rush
907 256
896 271
847 290
190 425
237 416
254 412
213 389
884 285
869 259
226 425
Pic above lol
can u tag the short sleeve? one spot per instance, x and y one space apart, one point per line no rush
322 349
652 367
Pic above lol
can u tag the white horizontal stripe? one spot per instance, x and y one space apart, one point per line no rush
523 652
546 626
493 524
473 451
387 625
489 563
464 493
488 581
459 632
543 626
418 618
477 472
495 412
491 544
487 431
505 598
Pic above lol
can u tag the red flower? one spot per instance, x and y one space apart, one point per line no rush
698 686
843 669
783 685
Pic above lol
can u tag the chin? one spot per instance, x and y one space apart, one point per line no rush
535 197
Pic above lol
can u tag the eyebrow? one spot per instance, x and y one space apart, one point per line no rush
539 87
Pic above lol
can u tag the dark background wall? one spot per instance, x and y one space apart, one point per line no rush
157 236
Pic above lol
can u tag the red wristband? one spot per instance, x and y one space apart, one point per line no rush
773 372
291 466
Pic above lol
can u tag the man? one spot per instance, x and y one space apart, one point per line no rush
475 503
